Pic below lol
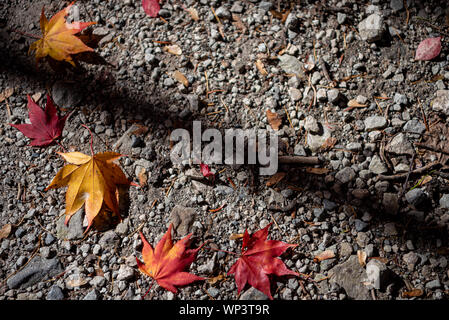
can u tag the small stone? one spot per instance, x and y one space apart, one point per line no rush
333 96
371 28
311 125
378 274
390 229
109 240
67 94
375 123
291 65
396 5
315 141
341 18
182 219
400 145
253 294
125 273
400 99
444 201
345 175
345 249
97 281
299 150
55 293
92 295
360 225
376 165
214 292
37 269
223 12
295 94
414 126
321 95
416 197
434 284
441 102
410 259
390 202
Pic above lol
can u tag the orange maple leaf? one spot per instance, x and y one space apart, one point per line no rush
91 180
167 262
58 37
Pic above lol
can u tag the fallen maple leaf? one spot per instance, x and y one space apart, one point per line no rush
167 262
91 180
58 37
258 261
205 170
45 125
151 7
428 49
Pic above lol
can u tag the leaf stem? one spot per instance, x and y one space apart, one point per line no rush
62 147
222 250
152 282
26 34
91 140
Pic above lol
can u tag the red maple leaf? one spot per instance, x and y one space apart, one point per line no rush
45 125
151 7
258 261
167 262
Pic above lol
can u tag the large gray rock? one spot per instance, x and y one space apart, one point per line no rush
35 271
371 28
349 275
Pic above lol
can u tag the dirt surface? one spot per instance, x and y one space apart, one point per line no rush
378 200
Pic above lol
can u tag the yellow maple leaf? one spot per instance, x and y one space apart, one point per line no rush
58 37
91 180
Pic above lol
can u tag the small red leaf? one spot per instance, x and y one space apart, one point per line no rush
428 49
258 261
205 170
45 125
151 7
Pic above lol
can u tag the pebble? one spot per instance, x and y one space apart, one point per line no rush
434 284
444 201
376 165
375 123
371 28
55 293
378 274
400 145
441 102
345 175
416 197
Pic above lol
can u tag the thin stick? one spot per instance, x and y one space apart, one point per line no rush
152 282
26 34
423 115
298 160
288 117
404 175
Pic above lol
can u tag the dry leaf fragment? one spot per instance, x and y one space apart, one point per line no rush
412 293
173 49
318 171
327 254
276 178
428 49
235 236
181 78
215 279
329 143
193 13
274 119
354 104
6 94
5 231
261 67
142 177
361 255
77 282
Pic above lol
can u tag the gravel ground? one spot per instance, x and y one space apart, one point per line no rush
362 202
